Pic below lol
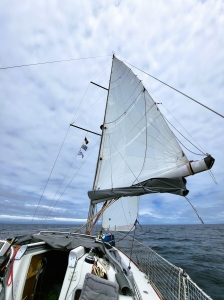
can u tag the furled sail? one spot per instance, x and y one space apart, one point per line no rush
121 215
139 153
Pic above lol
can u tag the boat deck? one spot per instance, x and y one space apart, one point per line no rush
57 263
40 271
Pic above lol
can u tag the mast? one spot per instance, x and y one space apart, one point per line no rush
92 206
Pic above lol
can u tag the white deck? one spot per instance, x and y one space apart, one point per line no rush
144 287
74 276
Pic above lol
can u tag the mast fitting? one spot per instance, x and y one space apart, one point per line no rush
102 87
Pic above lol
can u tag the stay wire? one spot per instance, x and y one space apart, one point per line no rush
135 224
126 233
63 142
72 122
185 138
70 181
186 147
129 267
183 127
176 90
210 172
98 213
194 210
212 176
50 174
87 109
52 201
51 62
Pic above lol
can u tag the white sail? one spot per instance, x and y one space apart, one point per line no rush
139 154
121 215
137 143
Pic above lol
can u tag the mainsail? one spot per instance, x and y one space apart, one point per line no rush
139 154
137 143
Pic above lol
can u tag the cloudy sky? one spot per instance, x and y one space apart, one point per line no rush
179 42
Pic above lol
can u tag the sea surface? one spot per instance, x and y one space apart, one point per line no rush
198 249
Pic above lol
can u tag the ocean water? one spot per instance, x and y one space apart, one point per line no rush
198 249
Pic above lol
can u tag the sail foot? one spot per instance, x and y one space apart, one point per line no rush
175 186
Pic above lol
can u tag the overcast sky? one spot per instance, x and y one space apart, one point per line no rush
179 42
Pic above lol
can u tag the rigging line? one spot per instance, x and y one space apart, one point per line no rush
63 144
71 180
102 70
64 140
182 127
50 174
184 137
129 267
72 122
176 120
176 90
60 185
51 62
194 210
127 233
98 216
89 108
186 147
212 176
99 212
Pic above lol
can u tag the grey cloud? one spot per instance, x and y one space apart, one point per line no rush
38 103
